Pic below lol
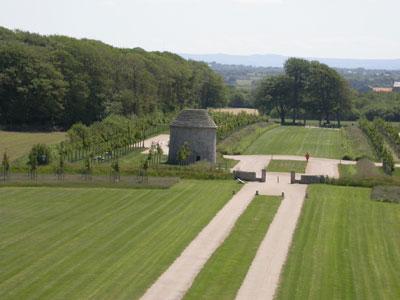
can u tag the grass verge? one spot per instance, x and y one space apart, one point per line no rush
224 272
346 246
287 166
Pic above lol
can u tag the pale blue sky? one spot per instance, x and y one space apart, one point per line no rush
312 28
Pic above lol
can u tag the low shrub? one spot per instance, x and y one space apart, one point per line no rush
347 157
366 168
362 157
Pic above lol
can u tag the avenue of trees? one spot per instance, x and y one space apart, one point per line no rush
306 90
48 81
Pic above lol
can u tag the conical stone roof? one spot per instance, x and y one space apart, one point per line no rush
194 118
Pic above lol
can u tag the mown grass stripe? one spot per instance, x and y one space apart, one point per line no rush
115 242
76 260
345 247
38 256
124 250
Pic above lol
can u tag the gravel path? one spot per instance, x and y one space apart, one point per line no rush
178 278
262 279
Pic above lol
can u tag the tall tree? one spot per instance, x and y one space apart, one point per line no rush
275 93
323 87
298 69
342 102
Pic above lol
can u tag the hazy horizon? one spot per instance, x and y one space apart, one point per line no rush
352 29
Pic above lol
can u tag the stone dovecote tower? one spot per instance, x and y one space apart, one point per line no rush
197 129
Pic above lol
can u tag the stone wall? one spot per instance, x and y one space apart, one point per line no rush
246 176
202 143
250 176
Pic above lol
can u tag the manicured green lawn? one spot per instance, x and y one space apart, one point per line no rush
346 246
224 272
347 170
287 166
60 243
295 140
18 144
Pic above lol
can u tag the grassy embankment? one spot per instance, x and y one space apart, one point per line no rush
346 246
98 243
295 140
359 145
239 141
224 272
19 144
287 166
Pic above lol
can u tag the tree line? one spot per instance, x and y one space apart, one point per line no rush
307 89
48 81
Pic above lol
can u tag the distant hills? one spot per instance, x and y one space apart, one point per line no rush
273 60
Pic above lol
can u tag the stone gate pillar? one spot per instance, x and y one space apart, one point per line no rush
263 175
292 177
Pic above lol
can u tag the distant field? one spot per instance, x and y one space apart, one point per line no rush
18 144
236 111
346 246
59 243
224 272
295 140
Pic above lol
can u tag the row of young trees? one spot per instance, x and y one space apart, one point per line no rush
57 80
390 133
228 122
115 135
307 89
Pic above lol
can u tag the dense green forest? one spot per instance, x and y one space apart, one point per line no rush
48 81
